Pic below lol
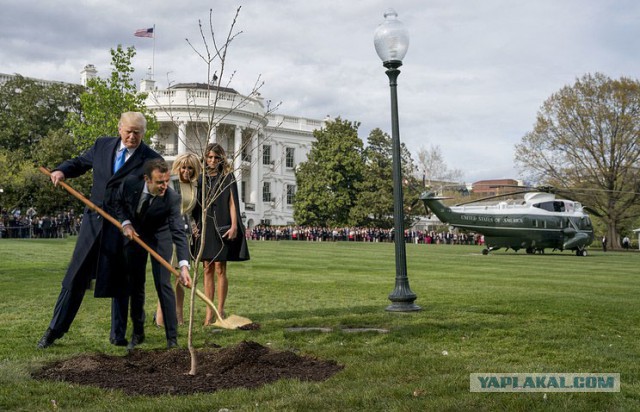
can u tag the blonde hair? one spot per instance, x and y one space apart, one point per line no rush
189 160
133 118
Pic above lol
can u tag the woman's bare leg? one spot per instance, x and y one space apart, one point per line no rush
209 289
223 286
159 319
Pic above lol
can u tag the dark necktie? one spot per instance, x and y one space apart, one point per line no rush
121 157
145 200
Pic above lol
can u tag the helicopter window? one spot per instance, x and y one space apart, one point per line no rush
548 206
584 223
551 206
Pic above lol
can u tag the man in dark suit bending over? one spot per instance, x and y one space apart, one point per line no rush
149 208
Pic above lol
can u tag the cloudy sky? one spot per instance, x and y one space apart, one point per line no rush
475 74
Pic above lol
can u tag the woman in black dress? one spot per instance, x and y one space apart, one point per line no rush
224 237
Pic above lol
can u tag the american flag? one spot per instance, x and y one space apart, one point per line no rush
144 32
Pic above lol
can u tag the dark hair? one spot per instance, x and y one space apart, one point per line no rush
155 164
216 148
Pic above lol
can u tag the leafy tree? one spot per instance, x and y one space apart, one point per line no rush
29 110
374 205
587 139
32 111
328 180
24 186
106 99
50 152
8 182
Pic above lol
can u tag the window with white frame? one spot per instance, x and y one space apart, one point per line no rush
266 191
290 157
266 154
291 194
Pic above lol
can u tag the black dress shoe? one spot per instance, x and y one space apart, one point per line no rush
47 339
118 342
135 340
172 343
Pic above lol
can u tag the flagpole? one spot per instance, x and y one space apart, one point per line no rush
153 55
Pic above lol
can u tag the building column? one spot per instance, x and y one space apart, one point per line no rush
213 138
255 192
182 137
237 153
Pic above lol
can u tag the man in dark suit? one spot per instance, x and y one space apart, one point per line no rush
149 208
98 251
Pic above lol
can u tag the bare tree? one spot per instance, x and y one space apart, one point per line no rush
434 168
209 107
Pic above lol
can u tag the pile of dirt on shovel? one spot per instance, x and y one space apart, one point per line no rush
157 372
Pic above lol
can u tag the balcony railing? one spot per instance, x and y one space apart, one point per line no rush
184 98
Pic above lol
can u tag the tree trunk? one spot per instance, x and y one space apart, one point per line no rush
613 239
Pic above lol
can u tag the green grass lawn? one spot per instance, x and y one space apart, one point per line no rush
505 312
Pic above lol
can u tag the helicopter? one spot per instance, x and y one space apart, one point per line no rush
539 221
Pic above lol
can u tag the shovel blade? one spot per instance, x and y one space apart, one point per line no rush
232 322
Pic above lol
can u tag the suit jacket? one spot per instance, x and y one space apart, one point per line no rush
111 280
161 226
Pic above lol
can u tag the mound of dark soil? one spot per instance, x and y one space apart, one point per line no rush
142 372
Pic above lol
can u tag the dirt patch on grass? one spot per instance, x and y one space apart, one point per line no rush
159 372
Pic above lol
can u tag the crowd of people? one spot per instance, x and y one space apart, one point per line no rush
15 224
359 234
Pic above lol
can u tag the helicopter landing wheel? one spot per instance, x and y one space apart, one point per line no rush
582 252
485 251
530 251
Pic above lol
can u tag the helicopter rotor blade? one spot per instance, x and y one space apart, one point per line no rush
491 197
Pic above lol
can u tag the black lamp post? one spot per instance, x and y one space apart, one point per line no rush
391 40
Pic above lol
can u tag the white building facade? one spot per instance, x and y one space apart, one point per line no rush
265 147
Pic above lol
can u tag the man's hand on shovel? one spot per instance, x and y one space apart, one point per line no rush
129 232
185 278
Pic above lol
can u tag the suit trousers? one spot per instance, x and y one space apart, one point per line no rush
136 258
70 299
